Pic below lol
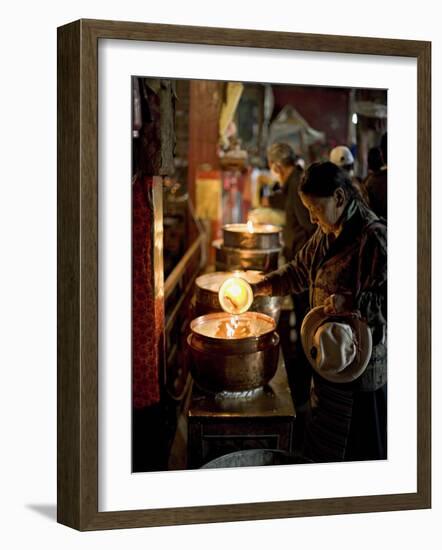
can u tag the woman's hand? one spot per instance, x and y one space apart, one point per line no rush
339 303
263 288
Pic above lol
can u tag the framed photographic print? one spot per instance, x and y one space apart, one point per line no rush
223 280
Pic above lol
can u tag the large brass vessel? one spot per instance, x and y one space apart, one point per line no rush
235 363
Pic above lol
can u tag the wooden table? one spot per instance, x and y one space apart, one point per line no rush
222 423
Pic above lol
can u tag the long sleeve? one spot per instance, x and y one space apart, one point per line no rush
294 277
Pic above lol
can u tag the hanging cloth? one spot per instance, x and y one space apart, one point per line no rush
147 309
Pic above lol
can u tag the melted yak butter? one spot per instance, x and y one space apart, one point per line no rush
234 328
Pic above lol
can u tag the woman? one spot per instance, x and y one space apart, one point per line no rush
344 267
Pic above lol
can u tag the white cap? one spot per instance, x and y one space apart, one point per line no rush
341 156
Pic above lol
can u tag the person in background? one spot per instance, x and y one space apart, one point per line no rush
374 160
376 184
342 156
300 162
344 268
288 170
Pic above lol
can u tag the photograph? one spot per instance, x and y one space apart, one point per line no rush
231 331
259 274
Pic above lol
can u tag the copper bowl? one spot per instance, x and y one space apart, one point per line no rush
206 293
263 236
233 364
230 258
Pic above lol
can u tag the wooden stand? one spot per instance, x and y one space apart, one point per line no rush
221 423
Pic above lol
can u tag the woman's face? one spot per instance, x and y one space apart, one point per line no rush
325 211
277 172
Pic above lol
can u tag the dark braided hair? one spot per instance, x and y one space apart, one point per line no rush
321 179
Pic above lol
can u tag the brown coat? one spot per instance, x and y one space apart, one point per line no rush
355 262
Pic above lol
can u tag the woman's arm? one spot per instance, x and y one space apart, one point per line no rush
292 278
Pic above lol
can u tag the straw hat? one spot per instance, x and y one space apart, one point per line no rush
337 347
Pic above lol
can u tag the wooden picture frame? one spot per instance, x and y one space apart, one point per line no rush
78 274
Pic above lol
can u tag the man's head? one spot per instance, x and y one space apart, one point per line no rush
341 156
282 160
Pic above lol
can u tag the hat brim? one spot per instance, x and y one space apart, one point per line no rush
316 317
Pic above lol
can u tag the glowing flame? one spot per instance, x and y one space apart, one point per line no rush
236 291
231 326
235 295
250 228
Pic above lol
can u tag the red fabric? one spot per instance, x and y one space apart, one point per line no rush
147 312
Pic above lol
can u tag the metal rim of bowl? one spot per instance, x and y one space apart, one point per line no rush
237 346
222 315
231 226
